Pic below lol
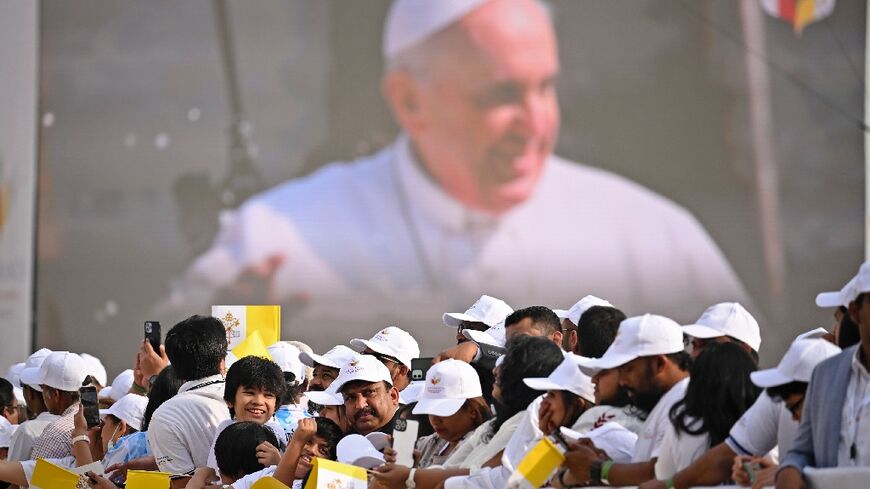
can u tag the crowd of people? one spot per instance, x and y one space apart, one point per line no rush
631 400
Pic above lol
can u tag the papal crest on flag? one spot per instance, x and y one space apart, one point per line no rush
241 321
799 13
327 474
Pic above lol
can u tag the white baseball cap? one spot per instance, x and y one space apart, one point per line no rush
337 357
726 319
63 371
287 357
562 314
616 440
448 385
412 392
364 367
30 373
327 397
13 375
120 386
357 450
566 377
410 22
494 335
638 336
487 310
130 409
390 341
813 334
836 298
797 364
96 369
583 305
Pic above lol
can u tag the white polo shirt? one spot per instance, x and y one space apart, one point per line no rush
764 426
653 431
182 429
22 441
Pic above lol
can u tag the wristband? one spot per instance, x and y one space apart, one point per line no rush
669 484
605 472
79 438
409 482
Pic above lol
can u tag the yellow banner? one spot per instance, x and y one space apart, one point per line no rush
326 474
240 322
269 483
538 465
141 479
50 476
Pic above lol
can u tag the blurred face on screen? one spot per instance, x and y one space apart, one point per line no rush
485 118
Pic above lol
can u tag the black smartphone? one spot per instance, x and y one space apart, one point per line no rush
419 367
91 405
152 334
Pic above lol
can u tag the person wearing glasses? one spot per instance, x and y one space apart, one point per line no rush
395 348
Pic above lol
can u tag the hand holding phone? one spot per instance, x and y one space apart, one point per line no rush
91 406
404 440
152 334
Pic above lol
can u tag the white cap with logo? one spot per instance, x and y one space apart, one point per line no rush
639 336
358 450
63 371
130 409
487 310
726 319
391 341
364 367
337 357
410 22
287 357
797 364
96 369
448 385
583 305
120 386
30 373
492 336
566 377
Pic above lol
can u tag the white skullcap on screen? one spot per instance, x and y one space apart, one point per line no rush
409 22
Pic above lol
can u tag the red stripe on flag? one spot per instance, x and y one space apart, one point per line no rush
786 10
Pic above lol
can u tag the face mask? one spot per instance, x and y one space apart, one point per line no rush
112 439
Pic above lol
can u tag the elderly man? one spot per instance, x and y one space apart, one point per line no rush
60 376
469 198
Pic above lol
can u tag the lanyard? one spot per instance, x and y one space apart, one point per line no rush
205 384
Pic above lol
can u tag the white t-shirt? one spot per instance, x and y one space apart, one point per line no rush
182 429
247 481
652 433
679 450
272 424
22 441
762 427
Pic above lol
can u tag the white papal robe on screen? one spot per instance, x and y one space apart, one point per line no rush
377 238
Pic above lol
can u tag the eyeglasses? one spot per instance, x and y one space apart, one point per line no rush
384 358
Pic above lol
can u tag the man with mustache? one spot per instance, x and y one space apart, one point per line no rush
370 400
653 368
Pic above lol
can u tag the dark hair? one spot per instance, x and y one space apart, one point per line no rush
165 387
196 347
781 392
235 448
849 334
7 395
684 360
597 330
117 421
329 431
254 373
543 319
526 356
719 392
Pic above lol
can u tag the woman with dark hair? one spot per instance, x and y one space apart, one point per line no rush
719 392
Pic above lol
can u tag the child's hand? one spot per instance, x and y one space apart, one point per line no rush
305 431
267 454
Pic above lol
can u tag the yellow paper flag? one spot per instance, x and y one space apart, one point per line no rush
326 474
538 465
142 479
240 322
269 483
50 476
252 346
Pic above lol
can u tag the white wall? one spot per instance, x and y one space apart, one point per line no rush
19 50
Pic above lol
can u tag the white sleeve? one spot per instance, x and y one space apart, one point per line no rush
524 438
755 433
169 449
21 445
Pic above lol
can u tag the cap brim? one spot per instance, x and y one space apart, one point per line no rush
30 376
105 392
324 398
829 299
813 334
543 384
378 439
769 378
480 337
369 461
438 407
591 367
310 359
453 319
360 346
702 332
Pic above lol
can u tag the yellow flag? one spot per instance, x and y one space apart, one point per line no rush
242 321
252 346
326 474
142 479
50 476
269 483
538 465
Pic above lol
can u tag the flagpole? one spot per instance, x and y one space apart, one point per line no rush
765 164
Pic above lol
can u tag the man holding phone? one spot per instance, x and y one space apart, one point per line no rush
60 376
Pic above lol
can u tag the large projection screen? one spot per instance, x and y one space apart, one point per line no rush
707 152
